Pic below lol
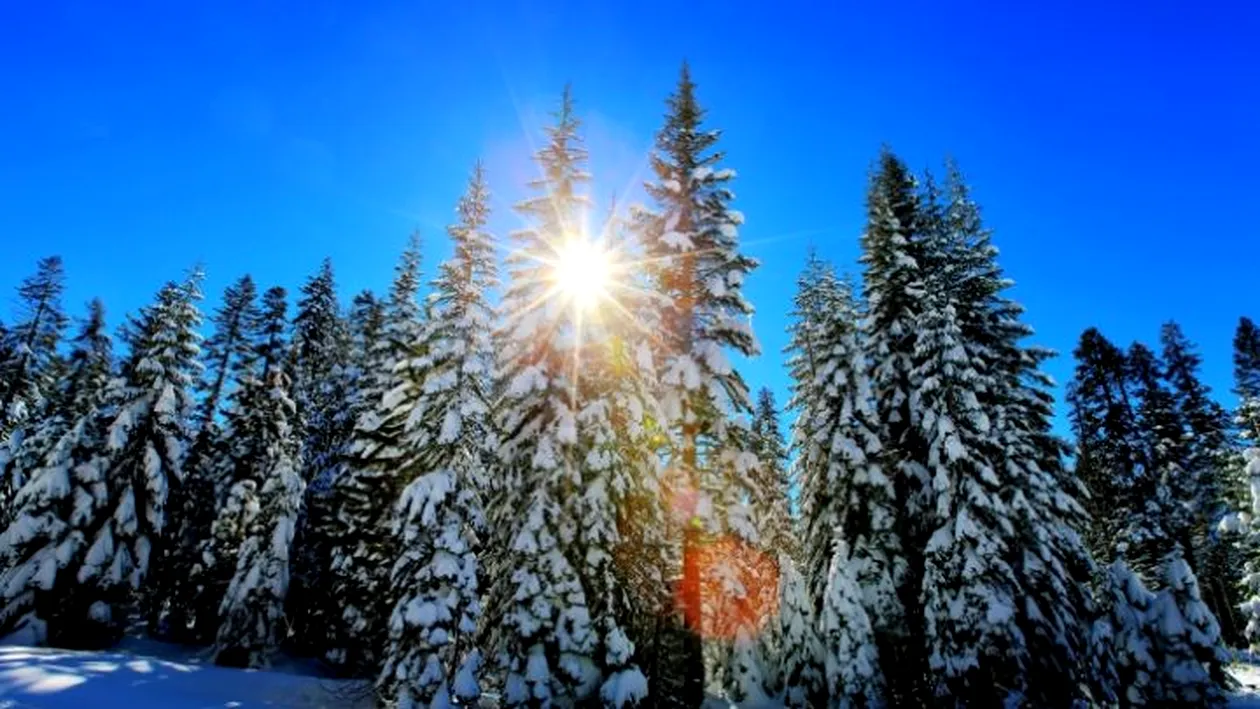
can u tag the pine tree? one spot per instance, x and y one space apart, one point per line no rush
26 373
1208 458
371 470
431 658
559 610
86 371
772 513
225 354
39 583
1105 425
976 651
798 668
90 518
1161 493
691 238
268 490
844 491
895 282
1189 644
319 374
854 676
1050 565
1244 521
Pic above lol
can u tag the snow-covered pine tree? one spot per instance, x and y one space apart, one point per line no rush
771 511
177 609
1210 454
895 288
690 238
27 373
318 368
145 430
797 658
1052 568
1166 490
854 676
370 474
844 493
1126 642
88 367
53 506
1244 521
1190 650
976 651
431 658
266 499
544 633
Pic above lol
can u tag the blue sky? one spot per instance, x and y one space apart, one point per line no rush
1114 149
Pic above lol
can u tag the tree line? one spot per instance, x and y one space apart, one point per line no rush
567 505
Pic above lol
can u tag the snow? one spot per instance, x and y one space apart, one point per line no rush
143 674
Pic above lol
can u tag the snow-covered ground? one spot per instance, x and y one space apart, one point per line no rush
146 675
142 674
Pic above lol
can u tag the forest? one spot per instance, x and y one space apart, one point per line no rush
539 477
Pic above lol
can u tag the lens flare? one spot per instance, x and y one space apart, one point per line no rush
582 272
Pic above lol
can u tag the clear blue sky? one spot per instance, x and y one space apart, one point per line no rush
1114 146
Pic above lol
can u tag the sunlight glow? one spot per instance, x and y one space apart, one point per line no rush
583 272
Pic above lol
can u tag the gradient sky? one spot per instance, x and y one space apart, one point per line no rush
1113 146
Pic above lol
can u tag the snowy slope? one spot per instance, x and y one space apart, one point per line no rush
147 675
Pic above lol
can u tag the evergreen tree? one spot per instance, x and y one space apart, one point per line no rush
798 669
39 584
895 283
556 603
1247 386
431 658
371 471
1208 457
1247 377
86 371
690 238
844 491
225 354
1050 565
86 529
1159 492
27 370
265 498
854 676
1105 426
771 511
318 364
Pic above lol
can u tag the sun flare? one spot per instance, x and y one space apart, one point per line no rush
583 272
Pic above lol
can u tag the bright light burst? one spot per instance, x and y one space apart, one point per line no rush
583 272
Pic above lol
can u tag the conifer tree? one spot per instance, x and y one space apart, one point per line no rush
318 365
844 491
90 518
88 368
225 354
431 658
1050 565
26 372
1208 457
269 489
690 236
854 676
371 471
771 511
797 671
557 607
1105 426
39 584
1244 521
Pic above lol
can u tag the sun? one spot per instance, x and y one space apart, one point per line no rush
582 272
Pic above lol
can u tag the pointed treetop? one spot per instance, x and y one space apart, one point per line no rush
1247 359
